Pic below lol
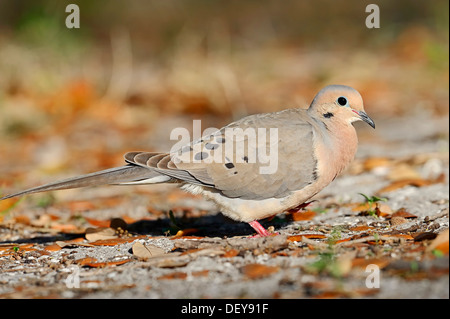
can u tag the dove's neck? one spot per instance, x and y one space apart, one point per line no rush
336 146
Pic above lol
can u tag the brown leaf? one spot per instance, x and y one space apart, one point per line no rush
114 241
73 243
403 171
416 182
146 251
402 212
256 271
424 236
397 220
101 233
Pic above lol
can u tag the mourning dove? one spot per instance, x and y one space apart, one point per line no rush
256 167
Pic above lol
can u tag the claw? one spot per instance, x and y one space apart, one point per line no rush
262 232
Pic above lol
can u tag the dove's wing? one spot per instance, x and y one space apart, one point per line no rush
258 157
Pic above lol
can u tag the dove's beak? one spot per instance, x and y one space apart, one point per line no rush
363 116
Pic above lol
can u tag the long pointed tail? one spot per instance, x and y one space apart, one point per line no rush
130 174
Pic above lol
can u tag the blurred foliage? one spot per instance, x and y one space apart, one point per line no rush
155 25
112 85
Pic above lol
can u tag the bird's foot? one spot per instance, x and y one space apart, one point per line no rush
262 232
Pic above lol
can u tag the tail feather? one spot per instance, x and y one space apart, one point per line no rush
117 175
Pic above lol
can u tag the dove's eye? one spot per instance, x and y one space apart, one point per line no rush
342 101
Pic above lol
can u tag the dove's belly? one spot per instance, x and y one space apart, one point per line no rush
249 210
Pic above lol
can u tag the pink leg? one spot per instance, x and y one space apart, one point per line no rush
259 229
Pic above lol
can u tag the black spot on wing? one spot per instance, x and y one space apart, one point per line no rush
201 156
229 165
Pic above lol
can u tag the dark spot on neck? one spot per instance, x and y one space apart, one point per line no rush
328 115
245 158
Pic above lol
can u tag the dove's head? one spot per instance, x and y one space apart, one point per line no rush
339 102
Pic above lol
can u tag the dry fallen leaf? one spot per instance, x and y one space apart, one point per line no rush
183 275
114 241
231 253
397 220
256 271
403 171
364 262
309 236
416 182
402 212
101 233
361 228
374 162
306 215
106 263
146 251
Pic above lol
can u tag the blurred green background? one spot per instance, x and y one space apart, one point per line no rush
136 69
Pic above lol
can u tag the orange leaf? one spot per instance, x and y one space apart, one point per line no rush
309 236
7 203
307 215
86 260
255 271
64 227
417 182
343 240
361 228
403 213
231 253
52 247
98 223
106 264
363 207
185 232
374 162
174 275
405 236
363 262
